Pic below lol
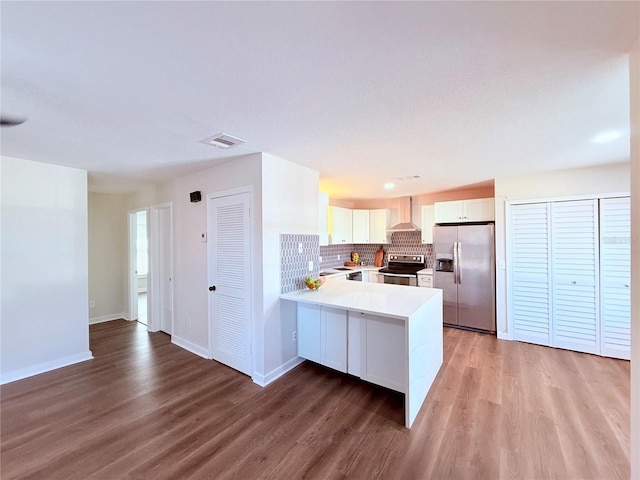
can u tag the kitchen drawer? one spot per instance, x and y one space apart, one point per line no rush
425 280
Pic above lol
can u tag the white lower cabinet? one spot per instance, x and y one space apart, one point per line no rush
378 335
368 346
376 277
322 335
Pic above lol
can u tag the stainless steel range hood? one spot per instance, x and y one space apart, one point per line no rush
406 226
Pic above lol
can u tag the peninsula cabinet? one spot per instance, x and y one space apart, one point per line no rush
570 275
460 211
322 335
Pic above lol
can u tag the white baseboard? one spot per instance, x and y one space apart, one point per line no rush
503 336
190 346
45 367
264 380
107 318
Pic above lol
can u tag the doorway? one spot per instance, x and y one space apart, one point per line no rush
139 266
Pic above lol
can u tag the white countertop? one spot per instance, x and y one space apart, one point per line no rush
397 301
426 271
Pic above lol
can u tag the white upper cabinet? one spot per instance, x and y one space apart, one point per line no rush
459 211
323 215
370 226
427 219
379 221
360 226
340 225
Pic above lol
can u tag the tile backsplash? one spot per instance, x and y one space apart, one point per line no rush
401 242
294 265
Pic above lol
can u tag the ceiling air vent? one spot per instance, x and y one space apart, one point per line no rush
222 140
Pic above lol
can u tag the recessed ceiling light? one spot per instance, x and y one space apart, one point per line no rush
606 137
389 186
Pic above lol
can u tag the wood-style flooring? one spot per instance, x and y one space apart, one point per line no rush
144 408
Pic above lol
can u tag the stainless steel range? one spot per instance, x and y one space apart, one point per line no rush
403 269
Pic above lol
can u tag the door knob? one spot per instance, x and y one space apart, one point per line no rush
212 288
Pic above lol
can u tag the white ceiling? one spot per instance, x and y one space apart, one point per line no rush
456 92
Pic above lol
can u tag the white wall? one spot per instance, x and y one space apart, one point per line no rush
107 247
634 103
191 321
289 205
44 268
613 178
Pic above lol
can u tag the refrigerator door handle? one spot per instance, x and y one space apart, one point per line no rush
459 262
455 262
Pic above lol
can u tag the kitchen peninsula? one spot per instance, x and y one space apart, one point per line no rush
389 335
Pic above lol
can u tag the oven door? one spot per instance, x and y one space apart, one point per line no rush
400 279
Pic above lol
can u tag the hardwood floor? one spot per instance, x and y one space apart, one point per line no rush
144 408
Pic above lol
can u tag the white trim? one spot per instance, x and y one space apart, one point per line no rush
107 318
264 380
593 196
504 336
190 347
231 192
45 367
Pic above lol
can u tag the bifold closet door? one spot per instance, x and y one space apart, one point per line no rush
530 294
615 277
575 271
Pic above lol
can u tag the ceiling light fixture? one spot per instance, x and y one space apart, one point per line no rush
389 186
607 137
223 140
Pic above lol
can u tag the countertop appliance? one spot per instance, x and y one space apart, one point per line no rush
357 276
402 269
465 271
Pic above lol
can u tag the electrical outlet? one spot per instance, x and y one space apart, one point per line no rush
311 265
203 237
338 256
300 248
320 260
92 304
295 336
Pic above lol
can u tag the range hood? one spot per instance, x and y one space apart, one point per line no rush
406 226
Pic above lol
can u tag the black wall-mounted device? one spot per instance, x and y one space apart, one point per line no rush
195 196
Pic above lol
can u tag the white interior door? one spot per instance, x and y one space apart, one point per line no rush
575 271
530 306
615 277
229 264
161 271
165 293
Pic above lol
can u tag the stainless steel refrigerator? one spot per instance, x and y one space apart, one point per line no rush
465 271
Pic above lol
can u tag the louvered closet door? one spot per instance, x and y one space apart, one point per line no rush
575 321
615 277
530 298
230 274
